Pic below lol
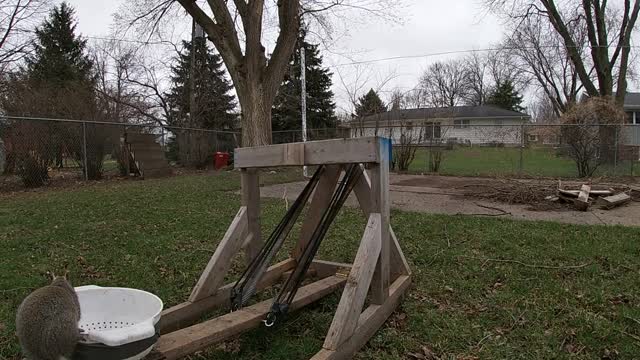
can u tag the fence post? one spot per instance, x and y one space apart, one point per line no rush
162 132
215 140
521 164
84 150
615 151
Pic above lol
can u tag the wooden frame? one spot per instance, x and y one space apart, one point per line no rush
379 269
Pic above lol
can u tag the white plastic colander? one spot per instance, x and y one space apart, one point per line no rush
117 316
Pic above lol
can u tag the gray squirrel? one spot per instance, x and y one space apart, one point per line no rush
47 321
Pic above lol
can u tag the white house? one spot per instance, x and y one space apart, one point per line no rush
474 125
631 130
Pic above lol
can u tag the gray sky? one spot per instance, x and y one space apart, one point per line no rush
430 26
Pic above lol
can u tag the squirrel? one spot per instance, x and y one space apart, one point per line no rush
47 321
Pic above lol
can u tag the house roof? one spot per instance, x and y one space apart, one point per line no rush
632 100
458 112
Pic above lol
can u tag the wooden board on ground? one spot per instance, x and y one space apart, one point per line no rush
582 202
189 340
611 202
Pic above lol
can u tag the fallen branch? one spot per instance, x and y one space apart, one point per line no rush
502 212
529 265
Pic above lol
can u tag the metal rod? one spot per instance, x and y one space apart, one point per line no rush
84 150
303 99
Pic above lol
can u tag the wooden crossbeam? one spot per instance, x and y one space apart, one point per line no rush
186 341
327 268
185 314
355 292
213 275
368 323
321 199
336 151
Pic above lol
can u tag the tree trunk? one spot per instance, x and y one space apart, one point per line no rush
256 115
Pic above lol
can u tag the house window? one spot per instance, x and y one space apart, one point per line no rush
460 124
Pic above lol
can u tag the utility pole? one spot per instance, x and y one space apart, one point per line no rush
303 100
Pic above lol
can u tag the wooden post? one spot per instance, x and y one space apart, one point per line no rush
380 204
251 200
352 301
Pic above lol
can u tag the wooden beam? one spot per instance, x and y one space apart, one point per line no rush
611 202
321 199
355 291
398 262
213 275
189 340
328 268
187 313
335 151
368 323
380 204
251 200
582 203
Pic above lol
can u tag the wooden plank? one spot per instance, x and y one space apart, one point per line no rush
355 291
187 313
611 202
380 204
189 340
213 275
582 203
398 263
250 181
328 268
335 151
368 323
321 199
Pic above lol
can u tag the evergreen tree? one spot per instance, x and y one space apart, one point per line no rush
60 69
212 101
59 81
505 96
210 107
370 104
320 106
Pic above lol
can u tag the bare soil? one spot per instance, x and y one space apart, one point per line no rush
511 198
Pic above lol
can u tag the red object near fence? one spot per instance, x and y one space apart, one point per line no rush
221 160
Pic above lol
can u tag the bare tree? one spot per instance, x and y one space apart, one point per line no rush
539 49
609 42
17 20
443 83
237 29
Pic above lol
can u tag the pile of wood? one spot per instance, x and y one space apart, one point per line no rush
588 195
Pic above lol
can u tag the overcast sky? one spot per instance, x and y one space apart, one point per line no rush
429 26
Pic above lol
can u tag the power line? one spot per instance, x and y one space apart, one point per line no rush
468 51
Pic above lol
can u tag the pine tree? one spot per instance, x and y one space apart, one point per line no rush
505 96
59 60
287 106
213 102
370 104
60 82
210 107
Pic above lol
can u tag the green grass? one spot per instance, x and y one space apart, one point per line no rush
491 161
157 235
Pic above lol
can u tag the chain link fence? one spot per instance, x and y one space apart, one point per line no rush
37 151
525 150
34 152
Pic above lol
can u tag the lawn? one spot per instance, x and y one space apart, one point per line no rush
483 288
493 161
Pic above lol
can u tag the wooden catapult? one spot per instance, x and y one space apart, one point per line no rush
378 277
